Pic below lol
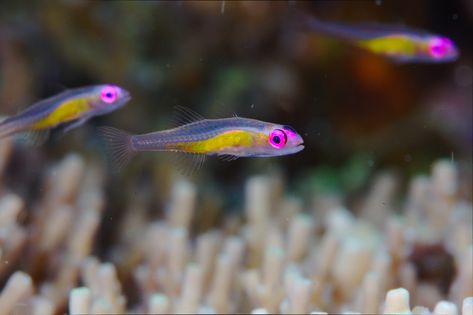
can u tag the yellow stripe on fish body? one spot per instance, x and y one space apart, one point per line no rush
391 45
67 111
228 140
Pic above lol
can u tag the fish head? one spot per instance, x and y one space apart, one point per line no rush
277 140
442 48
108 97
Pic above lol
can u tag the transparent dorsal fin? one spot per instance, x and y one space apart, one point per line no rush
189 163
184 115
33 138
228 157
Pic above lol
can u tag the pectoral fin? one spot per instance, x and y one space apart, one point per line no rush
74 124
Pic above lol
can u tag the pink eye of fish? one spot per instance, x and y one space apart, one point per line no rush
277 138
109 94
439 46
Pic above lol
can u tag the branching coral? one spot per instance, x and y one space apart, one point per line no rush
279 260
55 241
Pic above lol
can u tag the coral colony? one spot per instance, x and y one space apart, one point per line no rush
280 257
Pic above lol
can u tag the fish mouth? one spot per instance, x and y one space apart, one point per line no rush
126 97
297 148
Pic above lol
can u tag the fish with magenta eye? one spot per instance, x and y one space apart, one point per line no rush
70 109
397 43
229 138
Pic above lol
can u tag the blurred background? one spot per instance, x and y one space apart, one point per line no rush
358 113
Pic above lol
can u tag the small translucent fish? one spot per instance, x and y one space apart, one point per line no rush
229 138
70 108
397 43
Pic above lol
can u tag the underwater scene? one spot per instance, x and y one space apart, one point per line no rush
248 157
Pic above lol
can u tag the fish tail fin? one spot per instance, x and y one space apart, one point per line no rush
118 144
6 128
22 135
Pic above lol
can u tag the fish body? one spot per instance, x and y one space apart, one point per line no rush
72 107
397 43
392 45
231 137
